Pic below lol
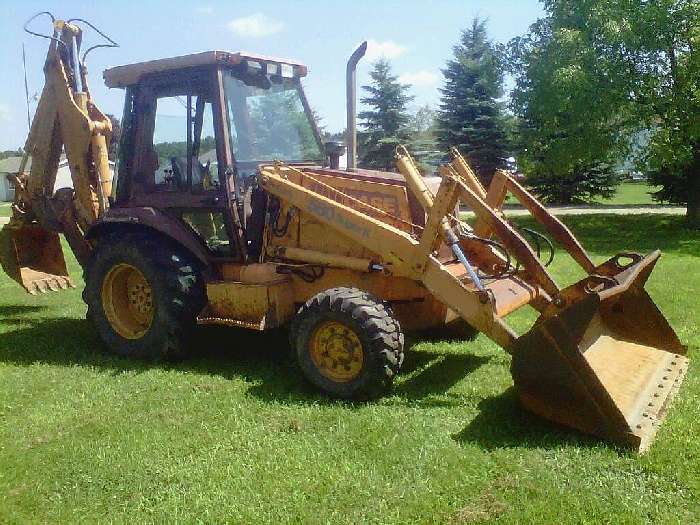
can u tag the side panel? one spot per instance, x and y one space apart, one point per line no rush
385 202
262 298
257 306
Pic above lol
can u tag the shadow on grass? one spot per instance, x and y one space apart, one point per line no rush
438 373
11 312
261 358
227 352
265 360
502 422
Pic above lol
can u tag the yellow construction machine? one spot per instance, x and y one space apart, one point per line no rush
227 209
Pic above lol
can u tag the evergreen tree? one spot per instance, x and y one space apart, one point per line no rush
471 116
385 123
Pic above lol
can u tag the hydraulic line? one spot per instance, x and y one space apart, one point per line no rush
453 241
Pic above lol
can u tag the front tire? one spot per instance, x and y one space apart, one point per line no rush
348 343
143 294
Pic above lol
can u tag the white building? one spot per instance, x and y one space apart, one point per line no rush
7 187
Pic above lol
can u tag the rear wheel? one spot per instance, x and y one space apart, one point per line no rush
143 295
348 343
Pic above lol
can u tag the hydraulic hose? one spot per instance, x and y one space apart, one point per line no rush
453 241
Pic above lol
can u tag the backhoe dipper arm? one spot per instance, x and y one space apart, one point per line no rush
66 118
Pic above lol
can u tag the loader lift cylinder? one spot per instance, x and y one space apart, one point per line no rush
425 198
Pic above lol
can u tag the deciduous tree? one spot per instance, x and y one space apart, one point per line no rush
594 73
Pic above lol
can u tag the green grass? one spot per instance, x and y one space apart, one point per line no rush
627 194
236 435
5 210
631 193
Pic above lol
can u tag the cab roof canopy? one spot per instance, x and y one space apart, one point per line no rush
123 76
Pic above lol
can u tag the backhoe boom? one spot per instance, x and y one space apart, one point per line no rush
66 120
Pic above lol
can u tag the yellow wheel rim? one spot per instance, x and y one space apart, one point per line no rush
127 301
336 351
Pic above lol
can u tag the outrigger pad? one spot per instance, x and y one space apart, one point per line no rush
608 363
32 256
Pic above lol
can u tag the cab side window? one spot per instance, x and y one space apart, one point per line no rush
170 141
183 154
204 145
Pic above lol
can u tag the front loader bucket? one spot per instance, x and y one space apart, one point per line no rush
607 362
32 256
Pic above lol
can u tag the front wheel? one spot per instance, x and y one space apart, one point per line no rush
348 343
143 294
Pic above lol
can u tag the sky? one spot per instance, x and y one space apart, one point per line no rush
417 37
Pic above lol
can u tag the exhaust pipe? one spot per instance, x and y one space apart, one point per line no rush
351 102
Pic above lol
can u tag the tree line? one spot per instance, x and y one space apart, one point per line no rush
596 83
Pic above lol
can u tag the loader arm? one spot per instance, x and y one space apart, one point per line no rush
601 357
401 254
67 120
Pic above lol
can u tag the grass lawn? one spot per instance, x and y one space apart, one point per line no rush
236 435
5 210
629 193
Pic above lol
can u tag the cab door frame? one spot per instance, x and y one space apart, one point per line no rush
143 191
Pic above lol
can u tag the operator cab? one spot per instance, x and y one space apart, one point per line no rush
194 130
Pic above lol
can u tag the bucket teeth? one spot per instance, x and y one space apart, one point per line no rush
32 256
49 284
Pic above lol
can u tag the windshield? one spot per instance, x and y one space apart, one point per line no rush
268 120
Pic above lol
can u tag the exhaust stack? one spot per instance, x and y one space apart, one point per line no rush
351 94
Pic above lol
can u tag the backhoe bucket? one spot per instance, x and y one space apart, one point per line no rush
607 362
32 256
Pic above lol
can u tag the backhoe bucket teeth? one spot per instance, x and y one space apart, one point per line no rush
607 362
32 256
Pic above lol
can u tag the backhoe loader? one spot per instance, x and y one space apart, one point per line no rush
228 210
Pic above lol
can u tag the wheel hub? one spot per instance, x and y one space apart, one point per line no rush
127 301
337 351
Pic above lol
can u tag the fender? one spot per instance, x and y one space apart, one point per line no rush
146 218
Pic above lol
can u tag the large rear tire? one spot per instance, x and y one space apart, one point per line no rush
348 343
143 295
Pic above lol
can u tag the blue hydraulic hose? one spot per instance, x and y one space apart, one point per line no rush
457 250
